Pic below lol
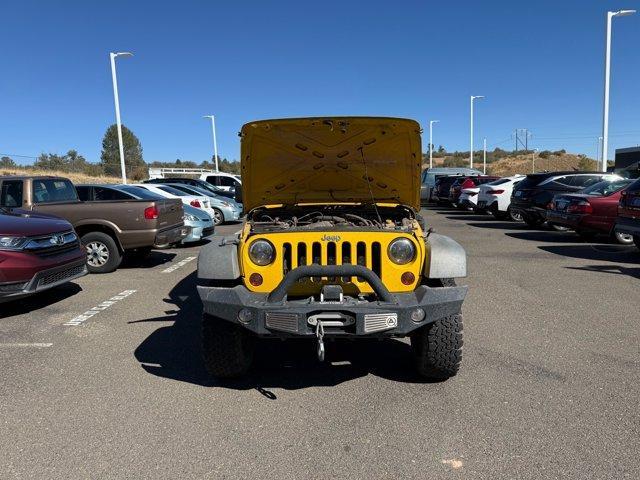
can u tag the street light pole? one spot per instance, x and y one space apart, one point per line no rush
484 156
473 97
114 79
215 142
607 75
431 122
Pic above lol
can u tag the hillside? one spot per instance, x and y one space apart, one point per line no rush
74 177
522 163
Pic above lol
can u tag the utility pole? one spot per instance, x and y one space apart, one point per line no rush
116 99
484 156
473 97
215 142
431 122
607 77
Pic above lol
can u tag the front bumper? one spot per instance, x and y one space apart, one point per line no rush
44 280
171 235
273 315
628 225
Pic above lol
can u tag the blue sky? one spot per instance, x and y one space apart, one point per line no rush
539 64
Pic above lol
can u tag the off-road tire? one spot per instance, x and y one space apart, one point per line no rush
114 254
227 349
437 348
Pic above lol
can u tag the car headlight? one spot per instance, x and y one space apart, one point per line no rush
226 204
262 252
12 243
190 218
401 251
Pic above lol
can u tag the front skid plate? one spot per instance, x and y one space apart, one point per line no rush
437 303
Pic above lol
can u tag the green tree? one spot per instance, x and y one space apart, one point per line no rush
7 162
110 157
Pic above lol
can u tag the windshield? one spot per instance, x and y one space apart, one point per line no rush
173 191
142 193
606 187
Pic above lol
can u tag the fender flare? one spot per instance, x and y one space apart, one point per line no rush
445 258
218 260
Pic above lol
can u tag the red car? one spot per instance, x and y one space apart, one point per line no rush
37 252
591 211
467 182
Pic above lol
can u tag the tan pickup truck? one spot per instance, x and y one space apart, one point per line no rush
107 229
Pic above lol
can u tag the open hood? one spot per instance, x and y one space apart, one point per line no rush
331 160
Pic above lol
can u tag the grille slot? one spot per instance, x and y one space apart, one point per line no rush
332 253
287 322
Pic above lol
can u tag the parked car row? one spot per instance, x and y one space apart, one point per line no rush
52 231
590 203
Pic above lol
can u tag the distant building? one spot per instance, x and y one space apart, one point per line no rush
628 162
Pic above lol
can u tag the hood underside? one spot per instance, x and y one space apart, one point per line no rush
331 160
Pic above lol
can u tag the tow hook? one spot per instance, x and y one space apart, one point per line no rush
320 335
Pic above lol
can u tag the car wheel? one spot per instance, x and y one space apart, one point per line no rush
437 348
623 238
514 215
103 254
218 216
559 228
227 348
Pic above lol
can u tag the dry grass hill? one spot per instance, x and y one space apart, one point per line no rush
74 177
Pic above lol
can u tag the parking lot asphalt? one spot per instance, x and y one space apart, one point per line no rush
102 378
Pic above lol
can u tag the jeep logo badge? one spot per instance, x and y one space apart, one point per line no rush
330 238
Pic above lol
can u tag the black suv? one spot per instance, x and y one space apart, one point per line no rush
532 195
196 183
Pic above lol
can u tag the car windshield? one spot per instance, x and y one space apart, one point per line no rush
606 187
141 193
173 191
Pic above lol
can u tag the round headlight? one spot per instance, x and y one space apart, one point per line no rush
401 251
262 252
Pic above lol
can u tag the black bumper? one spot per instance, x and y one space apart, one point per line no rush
273 315
628 225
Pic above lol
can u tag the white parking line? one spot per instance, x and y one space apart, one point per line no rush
181 263
80 319
26 345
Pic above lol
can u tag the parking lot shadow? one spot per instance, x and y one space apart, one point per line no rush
614 269
498 225
547 236
41 300
154 259
174 351
607 253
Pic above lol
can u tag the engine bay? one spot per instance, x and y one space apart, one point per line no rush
332 217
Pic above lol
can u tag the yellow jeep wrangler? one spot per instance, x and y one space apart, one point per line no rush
333 246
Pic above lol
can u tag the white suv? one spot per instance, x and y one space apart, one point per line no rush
495 197
225 181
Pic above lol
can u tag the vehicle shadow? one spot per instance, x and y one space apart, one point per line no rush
548 236
615 269
39 300
498 225
154 259
606 253
174 352
470 216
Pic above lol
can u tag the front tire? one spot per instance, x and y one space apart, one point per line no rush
226 347
437 348
514 215
218 216
103 254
